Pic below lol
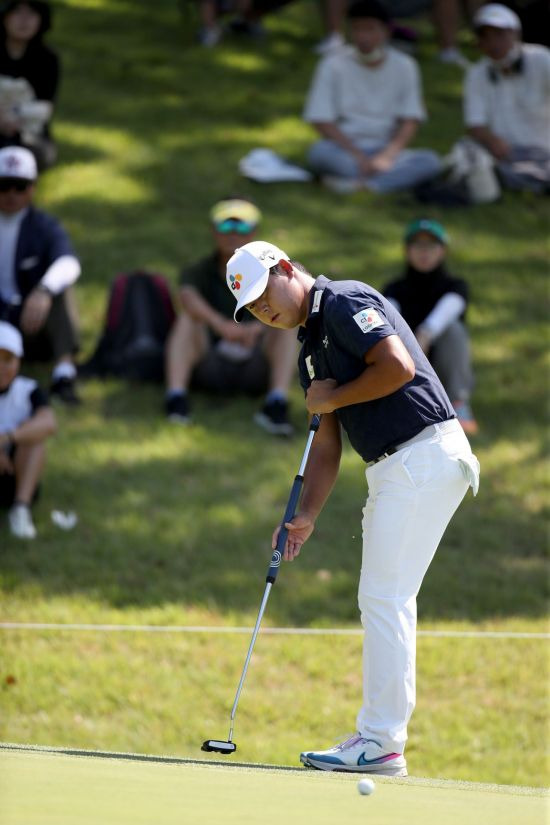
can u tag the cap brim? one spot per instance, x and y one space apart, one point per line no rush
254 292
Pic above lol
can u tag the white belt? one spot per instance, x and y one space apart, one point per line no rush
428 432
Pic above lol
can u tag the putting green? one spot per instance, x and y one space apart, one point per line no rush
43 787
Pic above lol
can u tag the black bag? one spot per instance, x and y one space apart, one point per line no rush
140 313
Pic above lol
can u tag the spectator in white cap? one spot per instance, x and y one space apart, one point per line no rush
208 350
38 267
26 421
507 100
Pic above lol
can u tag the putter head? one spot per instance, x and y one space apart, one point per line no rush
218 746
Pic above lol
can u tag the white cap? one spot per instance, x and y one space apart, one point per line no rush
497 16
248 271
17 162
10 339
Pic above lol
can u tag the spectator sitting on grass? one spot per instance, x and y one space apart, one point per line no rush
433 303
37 268
365 101
507 100
26 421
29 73
207 347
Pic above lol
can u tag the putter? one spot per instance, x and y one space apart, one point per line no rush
217 745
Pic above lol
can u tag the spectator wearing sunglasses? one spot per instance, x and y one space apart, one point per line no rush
37 270
29 76
208 350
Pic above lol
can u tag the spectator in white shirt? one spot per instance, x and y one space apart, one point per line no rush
37 268
26 421
366 103
507 100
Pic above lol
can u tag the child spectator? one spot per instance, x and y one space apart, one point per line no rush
365 101
37 268
26 421
208 347
29 73
433 303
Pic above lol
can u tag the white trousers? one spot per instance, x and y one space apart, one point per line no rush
412 497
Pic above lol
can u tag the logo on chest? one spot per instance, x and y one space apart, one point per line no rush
368 319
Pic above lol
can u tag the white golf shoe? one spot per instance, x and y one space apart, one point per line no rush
359 755
20 521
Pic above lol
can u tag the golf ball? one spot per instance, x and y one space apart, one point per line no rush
366 786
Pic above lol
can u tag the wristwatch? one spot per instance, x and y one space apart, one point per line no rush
43 288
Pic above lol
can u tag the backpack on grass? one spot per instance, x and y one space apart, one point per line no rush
140 313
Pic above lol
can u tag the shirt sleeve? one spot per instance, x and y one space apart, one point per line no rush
38 398
320 103
357 322
59 243
411 103
475 104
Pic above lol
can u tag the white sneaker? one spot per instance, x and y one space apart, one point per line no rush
341 185
20 521
358 755
453 56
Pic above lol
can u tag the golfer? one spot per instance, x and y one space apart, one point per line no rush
363 370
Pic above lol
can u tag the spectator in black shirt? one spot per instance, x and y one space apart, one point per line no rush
433 303
29 74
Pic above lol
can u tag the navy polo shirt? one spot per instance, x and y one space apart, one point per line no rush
346 319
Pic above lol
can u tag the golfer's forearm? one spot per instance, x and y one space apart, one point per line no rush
377 381
319 479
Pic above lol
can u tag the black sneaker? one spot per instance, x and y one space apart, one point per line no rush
177 409
63 389
273 417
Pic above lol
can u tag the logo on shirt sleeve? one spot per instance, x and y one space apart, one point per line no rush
368 319
310 367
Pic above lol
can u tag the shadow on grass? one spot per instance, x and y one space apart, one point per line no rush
192 528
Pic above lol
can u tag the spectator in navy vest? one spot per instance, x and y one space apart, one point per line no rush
37 270
26 421
507 100
365 102
29 75
433 303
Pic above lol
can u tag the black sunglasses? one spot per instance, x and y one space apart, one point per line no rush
19 184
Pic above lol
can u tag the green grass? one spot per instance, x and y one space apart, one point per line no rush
42 788
174 525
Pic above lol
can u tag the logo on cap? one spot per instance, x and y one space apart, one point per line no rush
13 162
267 253
235 280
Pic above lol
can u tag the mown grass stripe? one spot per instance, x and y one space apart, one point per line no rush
274 631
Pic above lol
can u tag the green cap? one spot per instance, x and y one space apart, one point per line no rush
427 225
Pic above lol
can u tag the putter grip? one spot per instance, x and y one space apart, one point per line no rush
277 556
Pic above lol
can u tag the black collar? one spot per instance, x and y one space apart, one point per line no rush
315 299
514 68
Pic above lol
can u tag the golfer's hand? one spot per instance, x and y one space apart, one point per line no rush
299 530
319 397
35 311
